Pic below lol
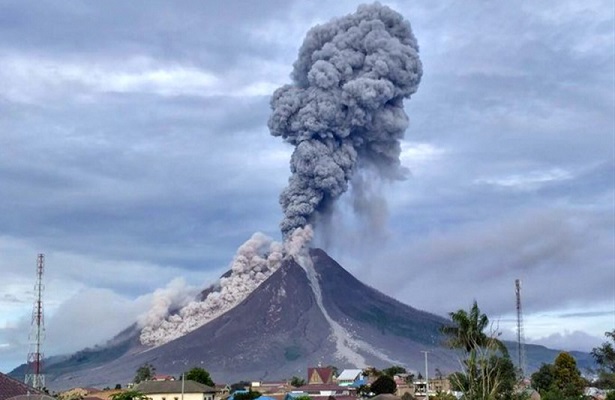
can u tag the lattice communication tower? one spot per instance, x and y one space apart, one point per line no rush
34 376
520 336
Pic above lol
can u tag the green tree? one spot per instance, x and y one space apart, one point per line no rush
371 371
129 395
249 395
118 386
394 370
295 381
560 380
384 384
605 358
542 380
199 375
567 377
443 396
144 373
605 354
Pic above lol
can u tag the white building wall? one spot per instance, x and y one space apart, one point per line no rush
178 396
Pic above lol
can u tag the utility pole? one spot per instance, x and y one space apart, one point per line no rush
426 375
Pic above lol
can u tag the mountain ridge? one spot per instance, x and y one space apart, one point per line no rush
277 332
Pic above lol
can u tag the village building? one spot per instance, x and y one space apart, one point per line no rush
352 377
10 387
176 390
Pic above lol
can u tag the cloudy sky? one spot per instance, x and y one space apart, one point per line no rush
135 155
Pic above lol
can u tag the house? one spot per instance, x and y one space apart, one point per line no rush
352 377
163 378
31 397
295 395
436 385
222 391
320 375
176 390
324 390
385 396
78 392
276 388
10 387
593 393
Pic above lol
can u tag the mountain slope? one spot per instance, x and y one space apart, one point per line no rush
281 328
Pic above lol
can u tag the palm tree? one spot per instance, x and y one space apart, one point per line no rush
481 378
468 334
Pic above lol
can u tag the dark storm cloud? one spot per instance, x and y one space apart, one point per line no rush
115 28
109 181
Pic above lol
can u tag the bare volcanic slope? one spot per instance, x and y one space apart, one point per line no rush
276 332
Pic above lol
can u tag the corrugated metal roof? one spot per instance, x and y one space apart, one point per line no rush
349 374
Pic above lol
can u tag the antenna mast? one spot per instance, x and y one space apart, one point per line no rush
520 336
35 377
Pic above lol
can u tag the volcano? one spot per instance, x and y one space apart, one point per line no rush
281 328
284 326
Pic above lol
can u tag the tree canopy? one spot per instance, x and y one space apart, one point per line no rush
384 384
605 354
144 373
249 395
394 370
560 380
200 375
295 381
129 395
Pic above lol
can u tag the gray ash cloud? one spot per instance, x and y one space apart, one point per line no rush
344 109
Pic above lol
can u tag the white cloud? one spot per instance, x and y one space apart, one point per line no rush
569 341
528 181
32 79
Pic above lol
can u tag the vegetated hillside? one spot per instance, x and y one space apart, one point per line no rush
277 332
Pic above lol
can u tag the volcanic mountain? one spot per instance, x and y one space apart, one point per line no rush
285 325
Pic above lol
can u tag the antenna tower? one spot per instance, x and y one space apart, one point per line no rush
520 336
34 376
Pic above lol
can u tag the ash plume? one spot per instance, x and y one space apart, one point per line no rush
344 109
255 261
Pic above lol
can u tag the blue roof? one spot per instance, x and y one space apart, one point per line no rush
359 383
232 397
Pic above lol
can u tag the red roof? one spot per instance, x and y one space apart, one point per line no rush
320 375
10 387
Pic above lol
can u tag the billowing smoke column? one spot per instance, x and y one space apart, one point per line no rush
343 112
344 109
